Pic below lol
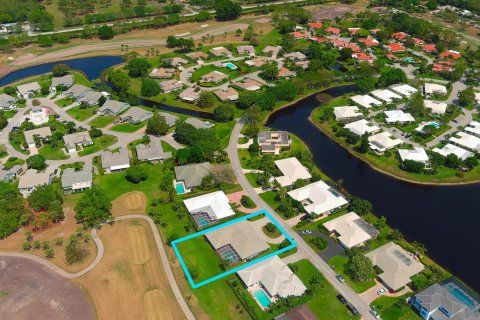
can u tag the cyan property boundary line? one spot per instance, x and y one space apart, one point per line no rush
231 271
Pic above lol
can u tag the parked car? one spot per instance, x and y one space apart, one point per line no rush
340 278
375 314
307 232
342 299
352 309
381 291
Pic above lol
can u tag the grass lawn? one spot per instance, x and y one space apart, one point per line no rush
223 131
12 161
52 153
338 264
100 143
324 304
82 114
102 121
200 258
394 308
3 294
270 198
9 113
252 178
275 234
270 39
168 148
127 127
64 102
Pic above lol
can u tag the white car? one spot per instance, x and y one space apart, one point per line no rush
381 291
375 314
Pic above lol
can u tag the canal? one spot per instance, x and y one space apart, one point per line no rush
445 219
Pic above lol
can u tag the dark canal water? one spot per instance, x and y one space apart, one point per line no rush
445 219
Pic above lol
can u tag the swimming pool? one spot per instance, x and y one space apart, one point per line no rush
409 59
460 295
262 298
435 125
230 66
180 188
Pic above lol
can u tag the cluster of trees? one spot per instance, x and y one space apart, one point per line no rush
227 10
359 267
11 209
75 250
46 200
93 209
202 144
266 100
157 125
183 44
30 11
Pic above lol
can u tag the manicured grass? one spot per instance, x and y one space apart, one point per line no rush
338 263
9 113
100 143
102 121
223 131
270 197
324 304
273 235
3 294
200 258
12 162
82 114
394 308
168 148
53 153
252 178
272 38
127 127
64 102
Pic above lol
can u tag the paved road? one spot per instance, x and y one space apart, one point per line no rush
117 44
100 253
303 248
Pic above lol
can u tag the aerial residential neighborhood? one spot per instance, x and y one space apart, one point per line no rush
239 159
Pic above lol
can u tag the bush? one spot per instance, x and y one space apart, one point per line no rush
247 202
136 174
37 162
319 243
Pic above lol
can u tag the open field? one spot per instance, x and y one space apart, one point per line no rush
129 203
129 282
32 291
64 230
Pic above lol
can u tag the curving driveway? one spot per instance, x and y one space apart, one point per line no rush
100 253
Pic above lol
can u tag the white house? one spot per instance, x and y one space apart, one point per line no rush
385 95
404 89
351 230
434 88
209 208
366 101
417 154
75 181
467 141
452 149
7 102
32 179
38 115
347 113
292 171
361 127
473 128
398 116
274 277
28 90
318 198
78 139
115 161
382 142
436 107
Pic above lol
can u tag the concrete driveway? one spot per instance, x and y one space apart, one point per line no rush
333 249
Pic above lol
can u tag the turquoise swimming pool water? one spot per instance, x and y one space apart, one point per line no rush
262 298
180 188
460 295
230 66
435 125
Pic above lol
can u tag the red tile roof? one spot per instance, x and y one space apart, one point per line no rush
437 67
353 30
429 47
333 30
450 54
315 25
299 35
369 42
391 56
318 39
353 46
395 47
399 35
418 41
338 43
362 56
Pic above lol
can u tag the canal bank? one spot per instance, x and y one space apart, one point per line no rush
441 217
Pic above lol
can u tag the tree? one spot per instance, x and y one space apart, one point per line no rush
223 113
364 144
246 99
206 99
365 84
138 67
360 206
11 209
74 251
37 162
395 235
432 5
466 97
269 71
391 76
203 15
60 70
119 80
150 87
105 32
453 161
416 105
413 166
359 267
136 174
42 197
227 10
95 132
266 101
285 91
471 162
93 208
157 125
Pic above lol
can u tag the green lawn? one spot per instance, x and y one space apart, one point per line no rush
82 114
64 102
127 127
168 148
275 234
200 258
252 178
53 153
100 143
3 294
12 161
338 264
9 113
223 131
197 75
394 308
324 304
270 198
102 121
